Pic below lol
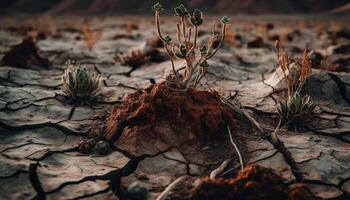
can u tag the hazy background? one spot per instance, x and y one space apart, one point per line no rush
143 6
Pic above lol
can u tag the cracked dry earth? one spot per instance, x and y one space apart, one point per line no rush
40 132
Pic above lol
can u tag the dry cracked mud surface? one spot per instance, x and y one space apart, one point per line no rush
40 132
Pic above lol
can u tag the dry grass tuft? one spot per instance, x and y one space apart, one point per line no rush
91 37
294 109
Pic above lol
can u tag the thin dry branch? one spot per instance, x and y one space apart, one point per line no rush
236 148
219 170
167 190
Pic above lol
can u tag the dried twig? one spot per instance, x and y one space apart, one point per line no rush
219 170
236 148
240 110
172 185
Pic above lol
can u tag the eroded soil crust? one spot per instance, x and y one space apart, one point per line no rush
158 117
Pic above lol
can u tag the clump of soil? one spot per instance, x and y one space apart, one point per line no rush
25 55
258 42
159 117
155 42
137 58
254 183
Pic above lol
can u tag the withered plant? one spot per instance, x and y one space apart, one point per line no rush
294 109
186 48
79 86
91 37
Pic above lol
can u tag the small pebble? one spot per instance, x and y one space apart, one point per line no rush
136 191
85 147
103 148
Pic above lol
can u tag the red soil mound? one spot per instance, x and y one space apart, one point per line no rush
254 183
174 117
25 55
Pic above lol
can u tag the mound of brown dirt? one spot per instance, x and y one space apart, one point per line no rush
254 183
158 117
25 55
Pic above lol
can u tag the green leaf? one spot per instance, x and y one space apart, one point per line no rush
196 22
204 64
203 50
167 39
181 11
225 20
197 14
179 55
158 7
182 53
183 49
78 85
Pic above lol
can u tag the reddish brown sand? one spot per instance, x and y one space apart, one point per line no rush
254 183
200 112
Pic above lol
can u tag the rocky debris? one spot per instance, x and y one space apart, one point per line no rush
25 55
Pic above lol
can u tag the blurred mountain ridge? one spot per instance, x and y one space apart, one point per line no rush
143 6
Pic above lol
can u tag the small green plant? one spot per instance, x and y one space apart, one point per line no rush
187 49
295 109
79 86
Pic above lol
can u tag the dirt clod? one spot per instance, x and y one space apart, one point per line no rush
159 113
25 55
254 183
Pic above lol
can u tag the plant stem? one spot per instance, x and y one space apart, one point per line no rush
165 44
158 27
183 27
220 44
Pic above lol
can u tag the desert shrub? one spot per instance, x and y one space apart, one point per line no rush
187 49
297 109
294 108
79 86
